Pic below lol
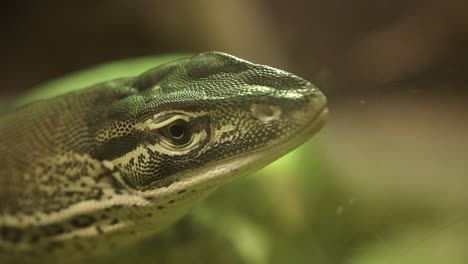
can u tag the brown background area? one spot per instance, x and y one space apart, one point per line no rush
345 46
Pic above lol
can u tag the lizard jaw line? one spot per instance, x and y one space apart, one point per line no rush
220 172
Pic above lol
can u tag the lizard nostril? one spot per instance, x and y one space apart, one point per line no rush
265 113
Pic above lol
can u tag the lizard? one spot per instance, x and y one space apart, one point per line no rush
93 170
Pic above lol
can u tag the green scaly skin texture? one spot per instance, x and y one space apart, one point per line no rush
99 168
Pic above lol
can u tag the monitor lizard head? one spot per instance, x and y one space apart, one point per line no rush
196 123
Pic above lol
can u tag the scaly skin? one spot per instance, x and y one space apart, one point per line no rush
92 170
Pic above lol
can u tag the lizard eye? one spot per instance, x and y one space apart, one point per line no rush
178 132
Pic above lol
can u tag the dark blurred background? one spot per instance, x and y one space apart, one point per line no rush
347 47
395 72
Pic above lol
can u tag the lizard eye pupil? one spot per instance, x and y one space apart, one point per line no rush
179 133
176 131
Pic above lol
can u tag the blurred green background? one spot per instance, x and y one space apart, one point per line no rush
384 182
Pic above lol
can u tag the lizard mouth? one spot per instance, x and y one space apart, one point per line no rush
201 181
286 144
